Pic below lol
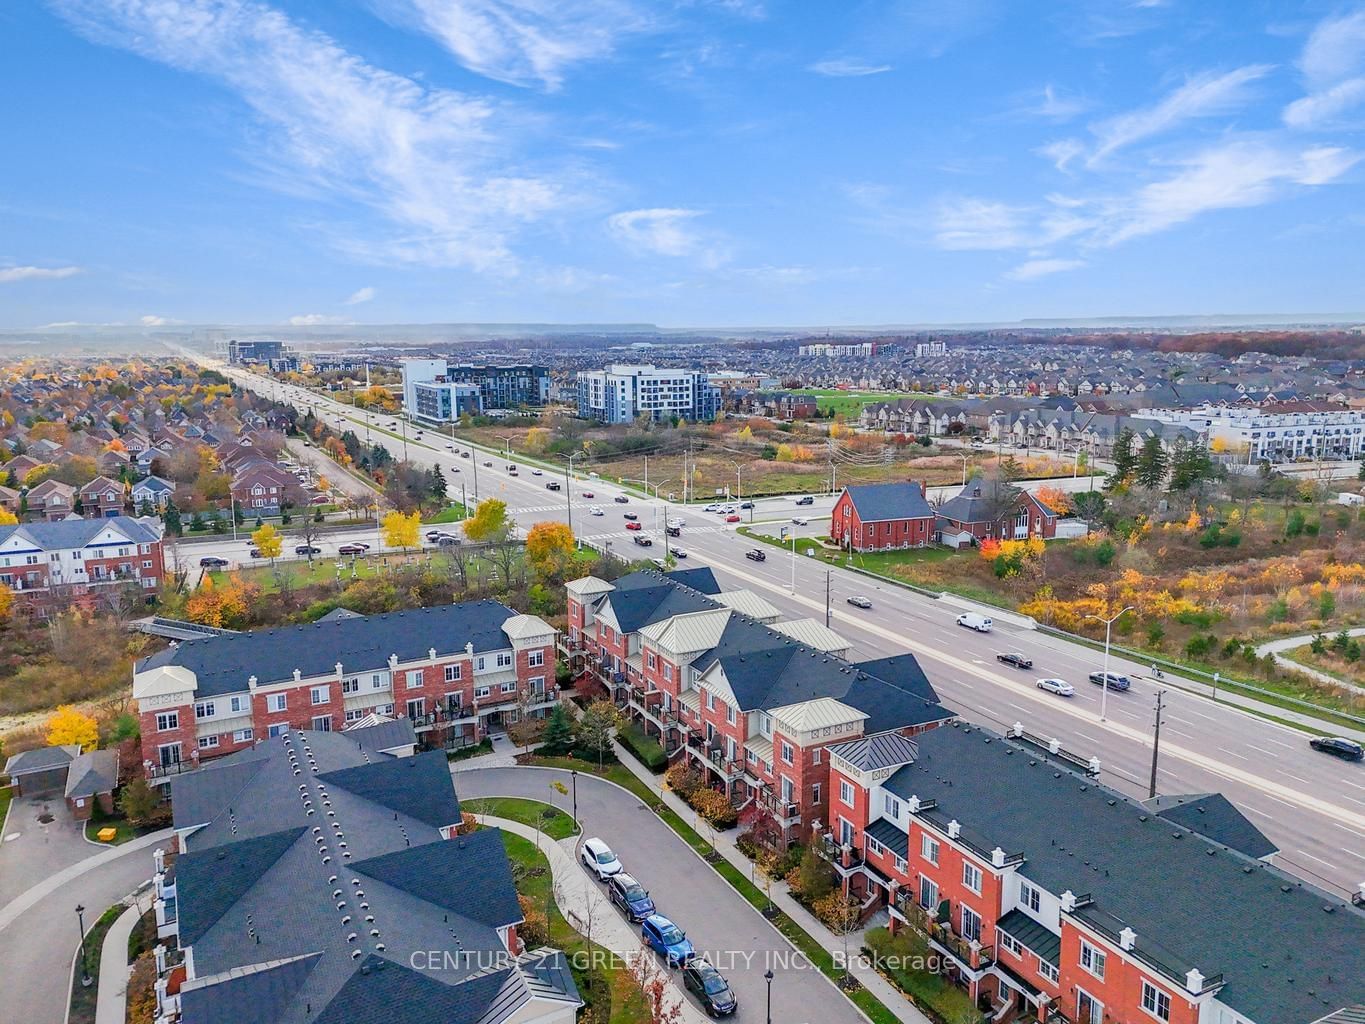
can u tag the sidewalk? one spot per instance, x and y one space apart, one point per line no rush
890 996
580 900
1288 643
111 1002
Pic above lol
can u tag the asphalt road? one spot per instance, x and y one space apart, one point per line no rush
1311 805
732 934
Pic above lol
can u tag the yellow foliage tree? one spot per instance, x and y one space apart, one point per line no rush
333 447
1055 498
38 474
745 433
6 602
1218 445
549 549
269 541
537 440
400 531
7 518
67 726
324 484
488 522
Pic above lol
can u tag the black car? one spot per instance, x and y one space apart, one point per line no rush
1114 681
629 517
352 549
630 896
754 555
746 504
552 486
213 562
621 499
307 549
706 982
643 541
673 531
1338 746
1016 659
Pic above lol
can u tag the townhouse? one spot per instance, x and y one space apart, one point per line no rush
882 517
75 560
752 702
262 487
101 498
321 877
454 671
51 500
1051 897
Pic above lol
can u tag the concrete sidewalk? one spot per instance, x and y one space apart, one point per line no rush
580 899
111 1002
890 996
1288 643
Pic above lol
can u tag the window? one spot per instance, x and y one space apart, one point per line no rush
417 708
1048 971
504 659
481 663
1155 1001
971 924
377 681
711 704
453 673
510 686
1006 941
729 714
205 709
668 672
482 691
243 736
208 742
651 660
415 679
146 564
928 892
167 720
928 849
536 659
354 714
875 847
788 790
319 695
815 792
900 862
1029 896
971 877
891 806
276 702
351 685
816 754
323 723
1092 959
277 730
787 756
846 792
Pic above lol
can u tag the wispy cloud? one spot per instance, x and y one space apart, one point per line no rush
1031 270
1056 106
1326 106
1202 96
315 320
522 42
844 67
1063 151
9 275
360 295
436 164
1331 62
662 230
153 320
982 224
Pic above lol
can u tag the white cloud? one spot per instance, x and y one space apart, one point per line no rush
152 320
1320 107
981 224
1335 48
1062 152
8 275
1032 269
360 295
842 67
315 320
522 42
1056 107
433 162
1202 96
664 231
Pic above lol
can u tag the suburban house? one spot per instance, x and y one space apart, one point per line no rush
752 704
9 499
320 879
1058 899
41 770
76 559
152 491
52 500
261 486
915 416
455 671
882 517
90 780
101 498
987 509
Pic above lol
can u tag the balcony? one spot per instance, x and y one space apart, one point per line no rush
442 717
845 859
166 771
970 956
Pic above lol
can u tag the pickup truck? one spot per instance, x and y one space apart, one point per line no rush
755 555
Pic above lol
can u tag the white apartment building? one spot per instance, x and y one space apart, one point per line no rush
623 392
1284 432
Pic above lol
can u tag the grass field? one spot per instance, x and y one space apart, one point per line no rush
851 403
551 820
301 573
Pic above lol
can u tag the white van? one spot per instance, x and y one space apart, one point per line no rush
974 621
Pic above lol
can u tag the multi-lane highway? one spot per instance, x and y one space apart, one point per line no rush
1311 805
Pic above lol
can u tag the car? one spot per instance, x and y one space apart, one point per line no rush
1338 746
598 858
755 555
1058 686
254 552
552 486
728 510
800 521
213 562
307 549
450 447
1112 680
746 504
511 467
512 472
630 896
351 549
595 511
677 524
630 516
706 983
678 553
536 472
666 939
432 535
643 541
1014 658
806 499
858 601
733 517
971 620
633 526
713 507
589 494
621 499
673 531
488 463
464 455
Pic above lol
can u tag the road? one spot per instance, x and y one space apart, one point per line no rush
1311 805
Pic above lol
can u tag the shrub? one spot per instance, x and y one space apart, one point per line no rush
1231 648
1155 634
685 780
813 878
534 929
715 807
645 748
1199 646
746 844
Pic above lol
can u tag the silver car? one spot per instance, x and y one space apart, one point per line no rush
1058 686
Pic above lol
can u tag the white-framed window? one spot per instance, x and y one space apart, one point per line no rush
167 720
351 685
971 877
1029 896
891 806
928 892
875 847
504 659
319 695
415 679
205 709
417 707
208 742
651 660
239 705
277 730
322 723
815 755
846 792
510 686
482 691
1093 959
1049 971
730 714
668 672
536 659
243 736
537 685
788 790
900 862
1006 941
788 755
453 673
928 848
1155 1001
377 681
711 702
480 663
354 714
971 924
276 702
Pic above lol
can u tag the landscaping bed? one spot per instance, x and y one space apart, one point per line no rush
83 997
551 820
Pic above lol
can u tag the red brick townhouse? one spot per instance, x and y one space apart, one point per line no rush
882 517
74 560
320 878
101 498
974 514
753 703
456 671
1053 898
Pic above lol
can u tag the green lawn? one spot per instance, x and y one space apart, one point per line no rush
551 820
125 829
83 997
452 513
301 573
851 403
6 795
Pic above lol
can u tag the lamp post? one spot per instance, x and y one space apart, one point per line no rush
575 794
506 440
768 977
1108 626
964 471
85 969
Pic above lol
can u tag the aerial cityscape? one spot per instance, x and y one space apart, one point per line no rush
605 512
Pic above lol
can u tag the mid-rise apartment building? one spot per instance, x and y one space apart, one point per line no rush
1277 432
624 392
74 560
454 671
439 392
840 349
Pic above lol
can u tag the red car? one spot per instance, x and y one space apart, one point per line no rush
633 526
589 494
733 517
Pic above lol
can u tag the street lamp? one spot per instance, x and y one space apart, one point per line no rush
86 980
768 977
575 794
1108 625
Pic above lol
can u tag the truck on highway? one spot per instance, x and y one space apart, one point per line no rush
971 620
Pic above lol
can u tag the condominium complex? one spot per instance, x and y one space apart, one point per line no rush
829 349
625 392
77 559
1276 432
438 392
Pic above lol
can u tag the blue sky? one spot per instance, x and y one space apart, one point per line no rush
682 162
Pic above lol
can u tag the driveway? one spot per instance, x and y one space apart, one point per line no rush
718 921
40 839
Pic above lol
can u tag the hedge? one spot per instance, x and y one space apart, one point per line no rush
645 748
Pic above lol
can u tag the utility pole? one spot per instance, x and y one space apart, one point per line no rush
828 572
568 490
1156 742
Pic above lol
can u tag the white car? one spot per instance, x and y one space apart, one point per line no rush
598 858
728 510
596 511
536 472
800 521
711 508
1058 686
675 524
450 447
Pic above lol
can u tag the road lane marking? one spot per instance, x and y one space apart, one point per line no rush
1328 863
1234 753
1353 832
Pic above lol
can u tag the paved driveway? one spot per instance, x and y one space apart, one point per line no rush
40 839
717 920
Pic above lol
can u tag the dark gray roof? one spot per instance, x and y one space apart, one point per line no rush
200 797
1192 902
1039 938
878 503
78 533
223 664
385 735
418 786
40 759
902 670
383 991
340 614
92 773
869 753
476 880
973 504
647 596
1212 815
217 877
257 994
890 835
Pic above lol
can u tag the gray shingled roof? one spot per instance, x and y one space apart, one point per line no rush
92 773
385 735
1213 816
877 503
78 533
40 759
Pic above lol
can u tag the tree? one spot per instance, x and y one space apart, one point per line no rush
1054 498
7 518
171 519
537 440
557 739
1190 465
489 521
138 801
1125 460
400 530
6 603
814 876
841 914
269 542
597 726
1151 464
550 549
67 725
438 485
662 1005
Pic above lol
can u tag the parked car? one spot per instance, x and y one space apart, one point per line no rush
678 553
213 562
666 939
307 549
1058 686
630 516
1112 680
633 526
971 620
643 541
800 521
733 517
630 896
621 499
595 511
806 499
552 486
598 858
351 549
716 996
858 601
1338 746
1014 658
755 555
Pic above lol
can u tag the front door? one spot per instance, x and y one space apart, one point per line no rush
170 754
1089 1010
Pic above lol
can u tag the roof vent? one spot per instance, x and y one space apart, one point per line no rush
355 955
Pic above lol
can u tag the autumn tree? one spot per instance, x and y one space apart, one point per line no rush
7 518
550 549
1054 498
537 440
269 542
488 523
68 725
6 603
401 530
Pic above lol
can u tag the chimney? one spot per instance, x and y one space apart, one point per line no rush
1068 901
338 667
431 653
251 682
393 661
954 829
469 648
1127 938
998 858
298 675
924 489
1194 981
